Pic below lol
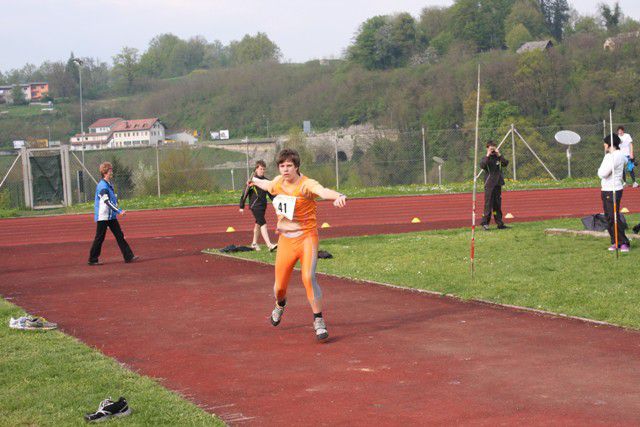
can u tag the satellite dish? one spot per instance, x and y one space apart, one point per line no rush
438 160
567 137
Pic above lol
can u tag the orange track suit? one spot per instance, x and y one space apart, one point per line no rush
298 237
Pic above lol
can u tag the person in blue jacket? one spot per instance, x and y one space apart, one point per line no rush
105 215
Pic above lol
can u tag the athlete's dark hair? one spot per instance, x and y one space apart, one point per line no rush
260 163
621 128
616 141
290 155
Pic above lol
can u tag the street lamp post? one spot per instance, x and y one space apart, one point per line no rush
80 63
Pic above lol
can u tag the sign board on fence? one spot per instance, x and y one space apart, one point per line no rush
306 126
18 144
215 135
224 133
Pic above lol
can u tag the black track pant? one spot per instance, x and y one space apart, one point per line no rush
607 204
101 231
492 204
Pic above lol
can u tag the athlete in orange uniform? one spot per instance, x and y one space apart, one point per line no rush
295 204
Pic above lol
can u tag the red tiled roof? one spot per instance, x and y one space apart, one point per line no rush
102 123
131 125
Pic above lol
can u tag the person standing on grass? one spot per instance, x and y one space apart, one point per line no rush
258 205
610 173
492 164
626 148
295 204
105 215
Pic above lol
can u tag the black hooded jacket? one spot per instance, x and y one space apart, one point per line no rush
257 197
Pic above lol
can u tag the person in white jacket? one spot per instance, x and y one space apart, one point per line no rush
610 173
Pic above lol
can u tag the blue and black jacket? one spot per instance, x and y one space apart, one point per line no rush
106 202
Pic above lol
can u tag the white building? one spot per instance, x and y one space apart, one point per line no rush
116 132
138 133
98 136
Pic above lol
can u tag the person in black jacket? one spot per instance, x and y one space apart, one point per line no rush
492 164
258 205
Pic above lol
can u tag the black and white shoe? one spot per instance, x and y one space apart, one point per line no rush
108 409
276 315
321 329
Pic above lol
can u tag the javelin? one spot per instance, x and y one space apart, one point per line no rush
613 179
475 180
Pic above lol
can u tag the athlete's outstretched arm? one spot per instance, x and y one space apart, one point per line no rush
263 184
339 199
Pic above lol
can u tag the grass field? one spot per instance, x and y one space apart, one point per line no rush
521 266
50 379
211 198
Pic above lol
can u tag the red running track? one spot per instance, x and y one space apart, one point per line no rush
363 216
199 324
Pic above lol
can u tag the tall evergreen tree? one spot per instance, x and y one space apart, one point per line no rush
556 15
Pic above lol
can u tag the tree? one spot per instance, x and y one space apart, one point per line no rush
258 48
384 42
587 25
126 66
433 21
481 22
155 61
18 95
527 13
556 16
611 17
517 37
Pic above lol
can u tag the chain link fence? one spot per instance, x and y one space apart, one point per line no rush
350 158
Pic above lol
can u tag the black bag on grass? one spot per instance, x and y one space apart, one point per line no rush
598 222
234 248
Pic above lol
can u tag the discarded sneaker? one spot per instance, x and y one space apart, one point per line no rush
276 315
108 409
31 323
321 329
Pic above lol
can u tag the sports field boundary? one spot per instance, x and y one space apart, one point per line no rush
544 313
392 196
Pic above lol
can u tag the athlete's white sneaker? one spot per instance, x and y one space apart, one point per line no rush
321 329
276 315
635 185
255 247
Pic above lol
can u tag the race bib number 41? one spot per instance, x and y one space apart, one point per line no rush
285 206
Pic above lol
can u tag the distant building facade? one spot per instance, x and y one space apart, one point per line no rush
33 92
537 45
612 43
116 132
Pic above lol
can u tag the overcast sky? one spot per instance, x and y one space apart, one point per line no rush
38 30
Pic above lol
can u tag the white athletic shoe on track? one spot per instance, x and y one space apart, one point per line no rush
635 185
276 315
321 329
255 247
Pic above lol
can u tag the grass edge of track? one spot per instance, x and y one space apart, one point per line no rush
53 378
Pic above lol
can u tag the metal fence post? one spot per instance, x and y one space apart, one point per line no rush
158 166
513 149
233 182
424 157
335 145
246 140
